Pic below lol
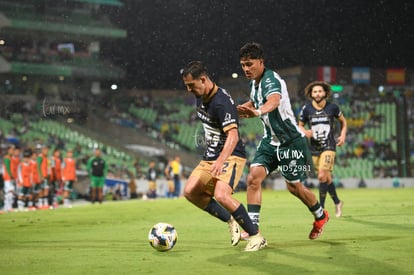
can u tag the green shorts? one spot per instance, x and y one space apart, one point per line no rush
293 160
97 182
45 183
25 191
37 187
68 185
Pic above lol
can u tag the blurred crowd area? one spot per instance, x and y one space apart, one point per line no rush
169 117
371 144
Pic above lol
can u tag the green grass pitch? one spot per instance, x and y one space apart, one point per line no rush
374 236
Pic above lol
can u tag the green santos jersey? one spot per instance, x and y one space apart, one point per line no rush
280 125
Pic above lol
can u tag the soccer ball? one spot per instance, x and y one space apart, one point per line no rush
162 236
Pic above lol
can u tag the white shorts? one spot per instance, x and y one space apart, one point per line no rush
9 186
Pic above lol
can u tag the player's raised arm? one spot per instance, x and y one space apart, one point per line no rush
245 109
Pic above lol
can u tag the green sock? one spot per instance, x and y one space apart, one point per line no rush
254 213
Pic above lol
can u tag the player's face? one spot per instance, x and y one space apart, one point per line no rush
318 93
194 86
252 68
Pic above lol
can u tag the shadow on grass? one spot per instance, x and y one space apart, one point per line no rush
308 257
376 224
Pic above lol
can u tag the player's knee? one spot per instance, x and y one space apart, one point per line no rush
323 176
222 197
188 192
254 182
296 189
292 190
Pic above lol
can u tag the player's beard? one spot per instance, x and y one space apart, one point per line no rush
318 100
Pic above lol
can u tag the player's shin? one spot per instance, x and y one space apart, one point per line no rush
323 189
218 211
243 219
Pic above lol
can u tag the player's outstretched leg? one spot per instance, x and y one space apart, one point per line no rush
256 240
318 226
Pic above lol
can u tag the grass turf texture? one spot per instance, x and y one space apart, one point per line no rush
374 236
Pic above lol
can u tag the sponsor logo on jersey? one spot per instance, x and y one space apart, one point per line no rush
228 120
203 117
320 119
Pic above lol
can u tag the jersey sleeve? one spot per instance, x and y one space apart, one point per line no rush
336 111
39 166
270 85
7 165
227 113
303 115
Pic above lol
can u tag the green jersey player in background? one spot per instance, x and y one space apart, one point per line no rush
283 146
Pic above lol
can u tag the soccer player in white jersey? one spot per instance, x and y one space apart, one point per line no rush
211 184
320 116
283 146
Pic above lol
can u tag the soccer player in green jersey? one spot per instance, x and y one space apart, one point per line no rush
97 170
283 146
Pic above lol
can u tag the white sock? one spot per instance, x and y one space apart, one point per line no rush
255 217
20 204
8 201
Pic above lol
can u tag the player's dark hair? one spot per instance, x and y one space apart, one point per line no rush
11 146
27 153
252 50
326 87
195 69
